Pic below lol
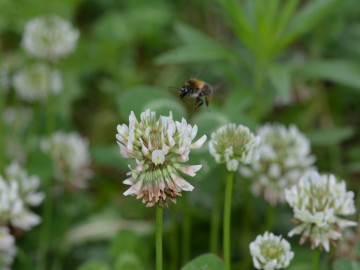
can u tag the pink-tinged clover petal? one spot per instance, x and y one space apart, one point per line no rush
199 142
191 170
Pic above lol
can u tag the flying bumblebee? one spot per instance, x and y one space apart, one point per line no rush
200 90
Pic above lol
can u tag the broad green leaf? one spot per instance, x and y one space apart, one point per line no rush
128 261
280 78
345 264
193 54
130 243
108 155
330 136
191 36
239 21
343 72
309 16
93 265
205 262
286 13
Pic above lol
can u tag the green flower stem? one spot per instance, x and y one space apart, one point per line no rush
45 236
227 219
316 259
2 128
270 217
159 229
215 225
186 231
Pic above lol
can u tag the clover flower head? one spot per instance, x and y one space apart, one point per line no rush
270 252
7 248
159 146
27 185
49 37
320 203
12 207
233 145
71 158
17 118
284 157
37 82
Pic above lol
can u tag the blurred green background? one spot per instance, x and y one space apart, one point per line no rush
287 61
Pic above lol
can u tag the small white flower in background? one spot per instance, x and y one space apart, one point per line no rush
284 157
233 145
17 118
37 82
49 37
71 158
28 185
159 146
319 203
270 252
13 209
7 248
9 63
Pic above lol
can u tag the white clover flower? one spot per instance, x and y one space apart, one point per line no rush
49 37
7 248
27 185
270 252
158 146
284 157
71 158
319 203
9 63
233 145
37 83
17 118
13 210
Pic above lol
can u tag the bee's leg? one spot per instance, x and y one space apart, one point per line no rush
199 102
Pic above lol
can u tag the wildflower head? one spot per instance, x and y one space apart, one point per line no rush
270 252
7 248
37 83
71 158
159 146
284 156
49 37
319 203
233 145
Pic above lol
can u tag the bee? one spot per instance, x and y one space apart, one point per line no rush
200 90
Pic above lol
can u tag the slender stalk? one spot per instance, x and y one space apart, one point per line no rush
227 219
316 259
2 129
45 233
159 229
45 237
186 231
215 225
270 217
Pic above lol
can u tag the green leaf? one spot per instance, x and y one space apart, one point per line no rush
93 265
205 262
330 136
128 261
193 54
345 264
343 72
197 48
309 16
108 155
280 78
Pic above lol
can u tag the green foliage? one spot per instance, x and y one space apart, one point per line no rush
205 262
286 61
